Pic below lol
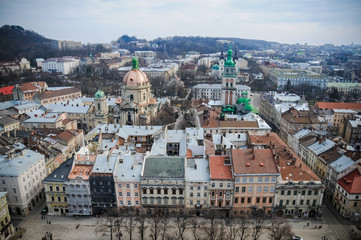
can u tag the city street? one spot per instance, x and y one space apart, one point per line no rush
66 227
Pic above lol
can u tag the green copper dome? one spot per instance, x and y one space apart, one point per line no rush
243 100
135 64
248 107
99 94
215 67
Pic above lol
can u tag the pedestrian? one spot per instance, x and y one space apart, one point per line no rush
315 227
308 224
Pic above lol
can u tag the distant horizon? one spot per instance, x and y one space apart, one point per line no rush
149 40
102 21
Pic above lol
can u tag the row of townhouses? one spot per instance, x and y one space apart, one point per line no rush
153 169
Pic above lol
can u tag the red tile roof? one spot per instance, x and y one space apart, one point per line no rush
253 161
7 90
290 165
217 168
32 86
67 135
351 182
338 105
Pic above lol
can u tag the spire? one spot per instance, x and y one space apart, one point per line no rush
229 61
235 57
135 64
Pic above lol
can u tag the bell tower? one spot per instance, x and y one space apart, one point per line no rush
229 78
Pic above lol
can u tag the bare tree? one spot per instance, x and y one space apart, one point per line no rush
117 228
257 228
164 225
130 225
243 227
280 230
212 229
155 226
195 228
141 219
109 227
232 231
221 229
182 222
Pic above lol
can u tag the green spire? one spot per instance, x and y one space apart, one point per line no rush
135 64
229 61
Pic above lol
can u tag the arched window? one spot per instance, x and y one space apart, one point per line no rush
131 97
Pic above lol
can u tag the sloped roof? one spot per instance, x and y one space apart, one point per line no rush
217 168
351 182
57 93
7 90
253 161
338 105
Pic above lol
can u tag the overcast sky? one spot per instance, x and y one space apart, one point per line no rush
286 21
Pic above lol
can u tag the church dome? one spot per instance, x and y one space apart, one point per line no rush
99 94
135 77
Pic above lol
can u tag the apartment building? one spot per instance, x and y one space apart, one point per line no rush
197 185
7 227
256 175
77 187
127 179
298 192
21 176
55 189
163 184
297 77
347 197
220 184
102 186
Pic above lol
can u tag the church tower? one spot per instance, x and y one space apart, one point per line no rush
100 107
229 78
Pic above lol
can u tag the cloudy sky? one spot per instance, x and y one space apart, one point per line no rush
286 21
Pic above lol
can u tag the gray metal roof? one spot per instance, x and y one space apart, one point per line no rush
164 167
61 173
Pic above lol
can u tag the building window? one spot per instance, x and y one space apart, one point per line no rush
242 200
221 185
128 186
151 191
258 200
265 189
128 194
259 179
259 189
251 179
243 189
237 189
249 200
244 179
